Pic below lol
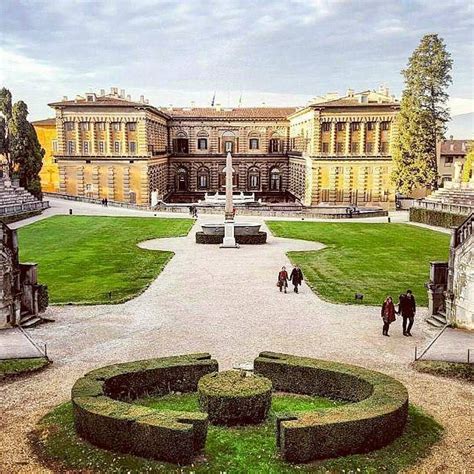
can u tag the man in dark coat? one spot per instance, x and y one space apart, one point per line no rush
407 309
296 277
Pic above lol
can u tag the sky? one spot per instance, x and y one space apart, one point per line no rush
265 52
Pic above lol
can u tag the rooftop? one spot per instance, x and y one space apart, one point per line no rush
48 121
454 147
231 113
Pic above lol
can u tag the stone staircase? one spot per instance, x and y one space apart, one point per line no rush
458 196
16 200
438 320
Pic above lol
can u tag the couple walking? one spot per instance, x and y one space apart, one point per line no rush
406 308
296 278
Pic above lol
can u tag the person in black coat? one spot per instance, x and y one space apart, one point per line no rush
407 309
296 277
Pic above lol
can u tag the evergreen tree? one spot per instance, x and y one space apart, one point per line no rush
423 115
19 143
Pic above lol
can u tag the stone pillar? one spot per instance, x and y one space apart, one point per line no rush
457 172
62 179
126 184
348 138
80 181
93 138
377 138
124 150
144 197
111 183
347 184
332 142
78 138
362 137
333 175
377 184
96 182
109 148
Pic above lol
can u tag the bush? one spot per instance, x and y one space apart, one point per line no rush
235 398
455 370
436 218
103 417
376 417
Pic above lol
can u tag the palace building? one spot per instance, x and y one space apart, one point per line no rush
334 151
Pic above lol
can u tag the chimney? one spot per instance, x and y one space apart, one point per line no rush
122 93
102 92
114 90
170 107
451 137
193 104
350 93
129 97
147 101
64 98
218 107
142 99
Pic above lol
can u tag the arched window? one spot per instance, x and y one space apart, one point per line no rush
222 176
253 178
181 143
182 179
275 144
254 141
203 178
228 141
202 140
275 179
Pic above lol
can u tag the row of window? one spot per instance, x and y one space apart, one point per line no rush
86 147
101 126
253 179
369 147
181 145
355 126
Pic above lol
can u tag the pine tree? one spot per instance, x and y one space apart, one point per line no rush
19 143
423 115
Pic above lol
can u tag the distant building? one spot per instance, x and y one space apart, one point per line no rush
47 136
334 151
450 152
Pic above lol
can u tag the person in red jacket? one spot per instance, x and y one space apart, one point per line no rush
283 279
388 314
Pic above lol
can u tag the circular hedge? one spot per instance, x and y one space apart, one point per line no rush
375 417
104 416
235 398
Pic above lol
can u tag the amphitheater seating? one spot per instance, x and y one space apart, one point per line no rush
16 200
453 195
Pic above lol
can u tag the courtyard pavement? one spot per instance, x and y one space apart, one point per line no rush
225 301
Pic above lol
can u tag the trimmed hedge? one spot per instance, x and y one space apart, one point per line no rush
235 398
103 417
257 239
376 416
436 218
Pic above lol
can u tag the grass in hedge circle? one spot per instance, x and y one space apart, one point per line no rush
234 450
15 367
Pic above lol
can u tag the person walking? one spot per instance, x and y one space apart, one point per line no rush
388 314
407 310
282 279
296 277
195 212
106 202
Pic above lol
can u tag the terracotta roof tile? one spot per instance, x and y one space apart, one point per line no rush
454 147
234 113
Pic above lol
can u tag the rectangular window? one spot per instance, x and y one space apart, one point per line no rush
202 143
116 147
326 126
55 146
341 126
369 147
355 147
70 147
293 143
253 145
101 126
131 126
325 147
101 146
85 147
448 160
132 147
228 146
69 126
355 126
384 147
340 147
385 126
84 126
370 125
116 126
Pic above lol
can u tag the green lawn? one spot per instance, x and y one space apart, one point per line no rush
233 450
373 259
83 258
13 367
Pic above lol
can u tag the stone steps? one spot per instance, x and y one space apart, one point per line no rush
438 320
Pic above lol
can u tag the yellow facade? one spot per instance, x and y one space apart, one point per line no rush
47 136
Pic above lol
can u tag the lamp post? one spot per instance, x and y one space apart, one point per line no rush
229 237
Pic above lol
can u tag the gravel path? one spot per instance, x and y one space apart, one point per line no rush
225 301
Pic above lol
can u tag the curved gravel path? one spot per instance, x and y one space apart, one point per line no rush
226 302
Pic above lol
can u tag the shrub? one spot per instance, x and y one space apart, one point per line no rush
103 416
436 218
376 417
258 239
235 398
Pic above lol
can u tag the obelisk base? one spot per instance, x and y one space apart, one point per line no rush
229 237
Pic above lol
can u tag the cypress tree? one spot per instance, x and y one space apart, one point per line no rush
423 115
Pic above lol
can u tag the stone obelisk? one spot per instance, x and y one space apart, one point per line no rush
229 238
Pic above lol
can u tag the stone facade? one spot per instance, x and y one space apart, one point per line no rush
332 151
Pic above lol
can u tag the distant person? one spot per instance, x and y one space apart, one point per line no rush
388 314
191 211
195 211
296 277
407 310
283 279
103 202
106 202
